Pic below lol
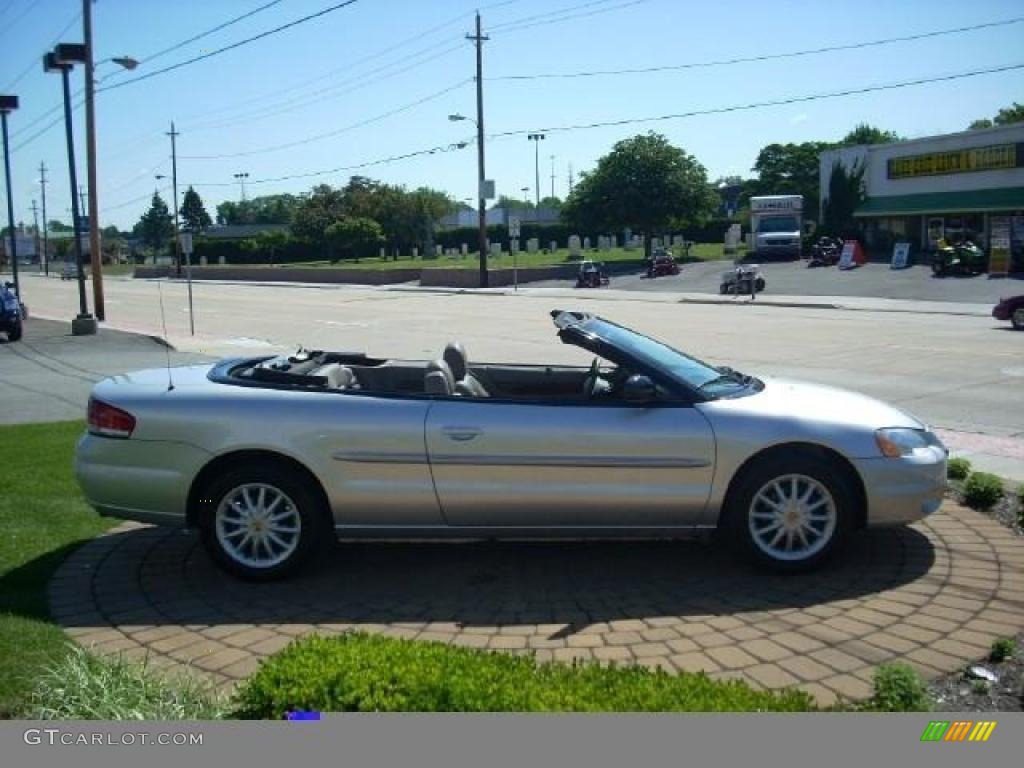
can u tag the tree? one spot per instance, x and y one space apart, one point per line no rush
845 193
789 169
267 244
550 202
512 204
353 238
645 184
322 207
268 209
58 226
156 226
193 212
863 133
1005 116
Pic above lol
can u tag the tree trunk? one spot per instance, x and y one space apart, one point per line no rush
647 246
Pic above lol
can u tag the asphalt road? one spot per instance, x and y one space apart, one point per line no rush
963 373
796 279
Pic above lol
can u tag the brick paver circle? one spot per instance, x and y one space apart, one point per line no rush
933 595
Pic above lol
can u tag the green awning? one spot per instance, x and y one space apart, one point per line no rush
1008 199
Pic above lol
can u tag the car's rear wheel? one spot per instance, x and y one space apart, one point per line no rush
790 514
262 522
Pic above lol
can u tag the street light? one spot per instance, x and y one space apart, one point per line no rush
9 104
62 59
241 181
482 242
526 195
536 138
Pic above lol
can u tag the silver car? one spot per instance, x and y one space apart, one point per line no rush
273 458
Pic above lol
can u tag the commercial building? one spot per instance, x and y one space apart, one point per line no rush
961 185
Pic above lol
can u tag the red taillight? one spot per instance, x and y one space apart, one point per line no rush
106 420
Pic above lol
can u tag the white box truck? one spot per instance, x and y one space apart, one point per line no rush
776 224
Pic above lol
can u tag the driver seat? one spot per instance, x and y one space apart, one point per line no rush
465 382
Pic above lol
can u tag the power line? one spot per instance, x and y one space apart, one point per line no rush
210 31
337 131
557 12
764 57
770 103
139 199
566 16
35 59
231 47
441 148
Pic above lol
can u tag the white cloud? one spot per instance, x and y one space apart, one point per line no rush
797 119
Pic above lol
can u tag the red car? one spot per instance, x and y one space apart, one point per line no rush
1011 308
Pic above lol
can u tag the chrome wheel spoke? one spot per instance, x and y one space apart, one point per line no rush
792 517
257 525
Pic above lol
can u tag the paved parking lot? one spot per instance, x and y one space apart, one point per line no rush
796 279
934 595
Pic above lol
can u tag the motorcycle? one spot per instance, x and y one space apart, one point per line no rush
12 312
591 275
825 252
960 258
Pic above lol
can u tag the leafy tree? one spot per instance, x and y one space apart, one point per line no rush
789 169
1005 116
268 209
645 184
267 244
110 232
322 207
845 193
863 133
353 238
156 226
58 226
550 202
193 212
512 203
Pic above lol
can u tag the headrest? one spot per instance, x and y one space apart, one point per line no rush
436 383
455 355
440 366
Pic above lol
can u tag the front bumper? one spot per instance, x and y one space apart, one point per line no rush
903 490
144 480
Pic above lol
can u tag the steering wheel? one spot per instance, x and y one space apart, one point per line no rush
593 377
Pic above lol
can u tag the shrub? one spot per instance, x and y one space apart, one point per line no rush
982 490
958 469
362 673
82 686
898 688
1003 648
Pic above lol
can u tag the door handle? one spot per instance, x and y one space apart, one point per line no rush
461 434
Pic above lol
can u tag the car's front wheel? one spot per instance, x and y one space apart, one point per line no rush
15 332
790 514
262 522
1017 319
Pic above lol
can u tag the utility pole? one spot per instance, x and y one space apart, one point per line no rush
95 256
174 187
570 179
35 229
479 39
7 105
552 177
536 138
81 198
46 238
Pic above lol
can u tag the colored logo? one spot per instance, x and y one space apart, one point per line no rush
302 715
958 730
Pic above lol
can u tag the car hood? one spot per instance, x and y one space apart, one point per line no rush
818 404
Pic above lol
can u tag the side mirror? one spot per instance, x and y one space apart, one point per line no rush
639 389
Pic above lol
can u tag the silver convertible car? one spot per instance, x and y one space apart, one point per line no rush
273 458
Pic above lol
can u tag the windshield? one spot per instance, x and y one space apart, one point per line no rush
688 370
778 224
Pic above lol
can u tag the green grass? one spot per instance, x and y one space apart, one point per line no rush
363 673
42 517
81 686
701 251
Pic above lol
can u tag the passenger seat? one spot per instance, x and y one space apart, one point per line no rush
465 382
438 379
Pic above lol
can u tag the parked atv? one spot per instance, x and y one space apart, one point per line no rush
662 263
960 258
825 252
11 312
591 275
742 279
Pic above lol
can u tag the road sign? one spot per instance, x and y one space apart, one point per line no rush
186 242
513 227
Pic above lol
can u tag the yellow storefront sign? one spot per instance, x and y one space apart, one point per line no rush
995 157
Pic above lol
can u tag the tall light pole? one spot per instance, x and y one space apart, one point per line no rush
95 255
526 195
62 59
552 157
46 236
174 187
35 230
478 39
241 182
536 138
7 105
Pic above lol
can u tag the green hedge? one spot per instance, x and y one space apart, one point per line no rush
363 673
234 253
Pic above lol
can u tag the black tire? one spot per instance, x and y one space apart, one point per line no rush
740 506
1017 320
15 333
314 535
760 284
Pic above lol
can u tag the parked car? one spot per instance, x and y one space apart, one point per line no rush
12 312
1011 308
273 457
662 263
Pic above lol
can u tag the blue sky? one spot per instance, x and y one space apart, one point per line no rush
376 56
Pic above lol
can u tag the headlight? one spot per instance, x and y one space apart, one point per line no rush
901 441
